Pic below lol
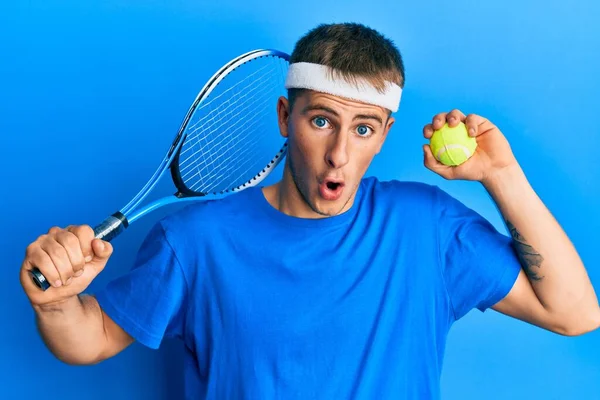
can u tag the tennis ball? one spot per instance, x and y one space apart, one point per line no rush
452 146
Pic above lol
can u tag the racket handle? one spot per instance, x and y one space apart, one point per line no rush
107 230
111 227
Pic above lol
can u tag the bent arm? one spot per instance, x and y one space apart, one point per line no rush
77 332
553 290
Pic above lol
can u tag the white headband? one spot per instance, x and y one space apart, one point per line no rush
318 77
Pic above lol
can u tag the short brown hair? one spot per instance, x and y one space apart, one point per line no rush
353 51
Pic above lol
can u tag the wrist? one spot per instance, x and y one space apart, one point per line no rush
509 177
59 306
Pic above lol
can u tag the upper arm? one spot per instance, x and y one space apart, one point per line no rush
522 303
150 301
478 263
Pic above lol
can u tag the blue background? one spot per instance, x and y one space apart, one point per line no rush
91 93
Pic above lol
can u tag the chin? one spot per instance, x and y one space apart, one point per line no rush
328 212
330 208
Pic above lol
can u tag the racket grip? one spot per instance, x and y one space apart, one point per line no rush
107 230
111 227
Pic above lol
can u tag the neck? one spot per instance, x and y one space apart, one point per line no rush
286 198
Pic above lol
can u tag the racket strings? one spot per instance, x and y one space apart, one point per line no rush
215 122
226 144
202 143
226 103
217 139
217 157
218 175
154 179
208 130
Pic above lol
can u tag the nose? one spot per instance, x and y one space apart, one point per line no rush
337 155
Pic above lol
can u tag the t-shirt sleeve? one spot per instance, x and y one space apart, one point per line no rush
479 264
149 302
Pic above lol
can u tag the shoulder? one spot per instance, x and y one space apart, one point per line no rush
201 215
403 192
415 199
400 192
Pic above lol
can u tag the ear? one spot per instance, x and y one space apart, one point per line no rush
388 126
283 115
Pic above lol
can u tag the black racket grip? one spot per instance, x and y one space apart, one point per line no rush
107 230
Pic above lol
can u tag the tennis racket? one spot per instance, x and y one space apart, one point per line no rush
227 142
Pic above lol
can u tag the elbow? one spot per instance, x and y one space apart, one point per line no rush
78 359
580 325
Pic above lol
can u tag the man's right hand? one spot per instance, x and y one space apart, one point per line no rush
69 258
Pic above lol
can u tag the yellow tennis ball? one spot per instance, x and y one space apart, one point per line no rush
452 146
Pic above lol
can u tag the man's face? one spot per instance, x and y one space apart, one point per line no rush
332 142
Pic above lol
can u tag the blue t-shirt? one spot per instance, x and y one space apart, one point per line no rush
356 306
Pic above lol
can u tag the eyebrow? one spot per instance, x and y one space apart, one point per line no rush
312 107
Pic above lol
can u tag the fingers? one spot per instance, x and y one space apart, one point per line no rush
438 121
85 235
54 230
476 125
69 259
36 257
61 254
60 259
73 248
428 131
453 118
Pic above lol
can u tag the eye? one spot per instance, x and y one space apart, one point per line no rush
320 122
364 130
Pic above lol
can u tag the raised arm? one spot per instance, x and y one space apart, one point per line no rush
553 290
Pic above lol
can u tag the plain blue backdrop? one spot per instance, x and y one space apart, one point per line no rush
92 92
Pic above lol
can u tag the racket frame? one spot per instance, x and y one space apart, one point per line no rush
115 224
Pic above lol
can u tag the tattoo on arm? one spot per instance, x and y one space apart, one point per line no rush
530 259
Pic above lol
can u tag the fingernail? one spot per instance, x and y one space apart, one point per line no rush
68 282
79 273
58 283
88 259
472 131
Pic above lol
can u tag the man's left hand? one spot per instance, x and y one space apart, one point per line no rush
493 153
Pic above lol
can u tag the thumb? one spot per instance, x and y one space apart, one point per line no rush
102 250
434 165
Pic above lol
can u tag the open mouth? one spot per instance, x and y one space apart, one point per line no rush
331 190
333 185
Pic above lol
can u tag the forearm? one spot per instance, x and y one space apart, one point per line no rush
555 270
73 330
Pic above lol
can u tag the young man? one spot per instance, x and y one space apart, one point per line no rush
326 285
